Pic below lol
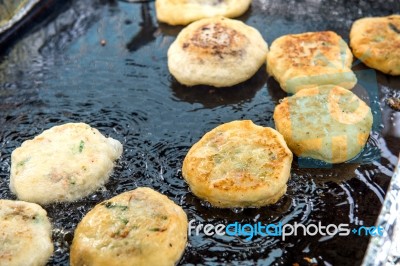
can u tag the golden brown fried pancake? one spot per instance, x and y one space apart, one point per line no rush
217 51
183 12
25 234
376 42
139 227
64 163
300 61
238 164
327 123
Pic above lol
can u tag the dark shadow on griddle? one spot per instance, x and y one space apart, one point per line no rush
382 78
111 3
168 30
246 15
211 97
323 172
147 31
337 173
270 213
275 90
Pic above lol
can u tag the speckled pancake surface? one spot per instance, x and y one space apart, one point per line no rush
376 42
138 227
238 164
327 123
300 61
64 163
218 51
25 234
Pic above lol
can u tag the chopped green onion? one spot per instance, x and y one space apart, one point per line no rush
23 162
81 146
110 205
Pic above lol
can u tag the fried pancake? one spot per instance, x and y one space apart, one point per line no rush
300 61
138 227
183 12
238 164
217 51
64 163
376 42
327 123
25 234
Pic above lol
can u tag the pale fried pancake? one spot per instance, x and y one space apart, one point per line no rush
25 234
239 164
183 12
63 163
300 61
217 51
376 42
327 123
138 227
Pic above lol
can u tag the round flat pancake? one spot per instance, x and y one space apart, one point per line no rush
138 227
238 164
62 164
327 123
183 12
25 234
217 51
301 61
376 42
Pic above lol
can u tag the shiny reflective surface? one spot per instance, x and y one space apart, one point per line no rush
12 11
61 73
385 250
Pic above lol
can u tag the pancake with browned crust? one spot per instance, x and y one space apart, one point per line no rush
25 234
63 163
327 123
300 61
217 51
376 42
140 227
238 164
